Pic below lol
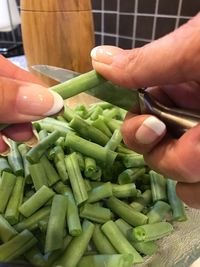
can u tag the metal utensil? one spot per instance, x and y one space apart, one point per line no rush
138 101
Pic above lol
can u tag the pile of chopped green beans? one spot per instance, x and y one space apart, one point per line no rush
80 197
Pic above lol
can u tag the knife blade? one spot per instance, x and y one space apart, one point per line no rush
138 101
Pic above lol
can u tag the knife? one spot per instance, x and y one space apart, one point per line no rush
138 101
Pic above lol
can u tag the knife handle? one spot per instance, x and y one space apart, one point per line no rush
178 121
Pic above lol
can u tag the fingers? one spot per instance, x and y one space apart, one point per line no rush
175 158
4 148
189 193
9 70
22 132
23 102
164 61
142 133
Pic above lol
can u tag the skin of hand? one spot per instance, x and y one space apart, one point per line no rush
23 98
170 69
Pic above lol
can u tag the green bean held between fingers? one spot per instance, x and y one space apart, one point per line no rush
35 153
56 223
7 184
77 246
115 260
123 246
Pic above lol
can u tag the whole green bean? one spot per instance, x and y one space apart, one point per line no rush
7 184
76 247
15 201
36 201
56 224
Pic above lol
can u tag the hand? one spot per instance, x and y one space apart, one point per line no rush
23 98
170 67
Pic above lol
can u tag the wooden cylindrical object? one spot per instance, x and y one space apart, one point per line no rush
58 33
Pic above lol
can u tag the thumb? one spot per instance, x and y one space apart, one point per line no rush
24 102
168 60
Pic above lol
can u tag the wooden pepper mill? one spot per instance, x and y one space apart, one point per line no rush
58 33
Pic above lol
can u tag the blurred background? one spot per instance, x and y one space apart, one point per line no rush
124 23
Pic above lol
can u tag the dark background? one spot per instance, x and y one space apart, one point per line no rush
127 23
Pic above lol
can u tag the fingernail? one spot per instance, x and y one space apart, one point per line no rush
105 54
34 139
37 100
150 130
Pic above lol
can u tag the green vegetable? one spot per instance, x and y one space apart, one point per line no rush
38 175
95 214
178 209
51 174
100 192
116 260
15 201
7 232
150 232
7 184
4 166
76 179
124 191
115 140
127 213
56 224
101 242
130 175
77 246
15 160
119 242
158 211
36 201
23 149
158 186
35 153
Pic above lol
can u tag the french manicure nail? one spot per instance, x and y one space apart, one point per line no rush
38 101
150 130
34 139
105 53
